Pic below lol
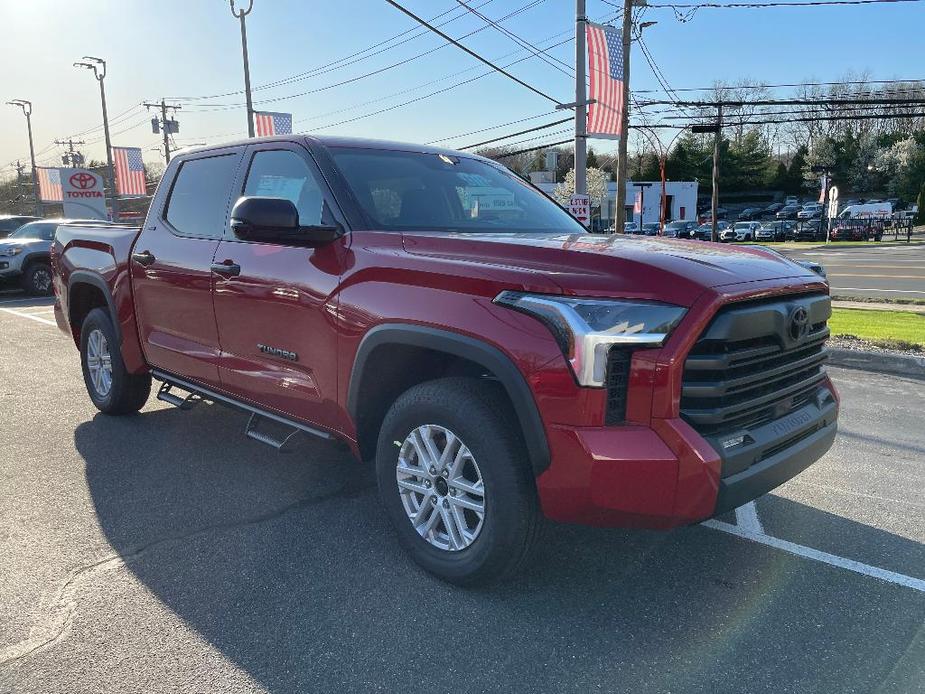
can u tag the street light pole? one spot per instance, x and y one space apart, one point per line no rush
241 14
98 65
26 107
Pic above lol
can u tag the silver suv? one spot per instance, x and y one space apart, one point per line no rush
24 256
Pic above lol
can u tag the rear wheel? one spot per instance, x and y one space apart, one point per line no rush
455 481
36 279
111 387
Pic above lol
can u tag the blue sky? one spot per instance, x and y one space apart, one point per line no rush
192 48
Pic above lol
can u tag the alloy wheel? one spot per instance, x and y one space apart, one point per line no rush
441 488
99 363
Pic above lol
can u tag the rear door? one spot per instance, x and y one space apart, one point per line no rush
171 267
276 317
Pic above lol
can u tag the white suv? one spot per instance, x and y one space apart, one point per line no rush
742 231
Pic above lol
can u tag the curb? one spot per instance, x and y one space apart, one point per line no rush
895 364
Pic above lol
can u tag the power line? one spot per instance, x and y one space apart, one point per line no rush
523 43
416 99
475 55
811 119
351 80
521 132
920 82
791 102
765 5
533 149
491 127
340 62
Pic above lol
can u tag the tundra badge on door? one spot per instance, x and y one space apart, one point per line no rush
277 352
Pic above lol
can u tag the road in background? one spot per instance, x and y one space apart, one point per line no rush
876 272
167 552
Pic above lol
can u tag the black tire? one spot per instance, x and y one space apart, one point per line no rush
128 392
478 412
36 279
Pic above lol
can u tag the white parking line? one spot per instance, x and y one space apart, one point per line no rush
29 316
809 553
22 300
747 518
865 289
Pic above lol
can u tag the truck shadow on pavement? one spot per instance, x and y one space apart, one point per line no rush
286 565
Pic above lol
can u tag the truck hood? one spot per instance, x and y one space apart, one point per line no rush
6 244
672 270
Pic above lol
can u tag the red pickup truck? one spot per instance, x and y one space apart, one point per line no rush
455 327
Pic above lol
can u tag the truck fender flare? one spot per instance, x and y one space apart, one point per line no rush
86 277
486 355
41 256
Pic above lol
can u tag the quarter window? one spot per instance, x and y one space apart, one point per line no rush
199 199
284 174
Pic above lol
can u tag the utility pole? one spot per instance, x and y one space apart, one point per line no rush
26 107
824 218
71 157
241 14
167 126
98 65
714 203
624 117
581 107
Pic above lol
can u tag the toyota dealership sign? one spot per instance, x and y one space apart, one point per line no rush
83 194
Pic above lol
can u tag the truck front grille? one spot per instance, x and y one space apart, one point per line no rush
754 363
618 376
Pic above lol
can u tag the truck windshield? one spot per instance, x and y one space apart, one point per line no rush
414 191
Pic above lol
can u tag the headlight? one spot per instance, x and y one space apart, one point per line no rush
10 252
586 329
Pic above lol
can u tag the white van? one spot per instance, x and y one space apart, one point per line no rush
874 210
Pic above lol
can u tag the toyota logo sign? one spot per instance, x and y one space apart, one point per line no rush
83 181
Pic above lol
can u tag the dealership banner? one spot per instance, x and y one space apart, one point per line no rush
83 195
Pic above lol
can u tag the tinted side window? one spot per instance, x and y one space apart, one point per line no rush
284 174
199 199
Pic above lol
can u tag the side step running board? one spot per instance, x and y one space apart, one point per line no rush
164 393
251 431
197 394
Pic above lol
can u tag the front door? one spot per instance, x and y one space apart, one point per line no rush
171 268
276 317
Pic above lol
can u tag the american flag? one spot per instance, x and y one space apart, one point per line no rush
605 65
49 184
269 123
130 171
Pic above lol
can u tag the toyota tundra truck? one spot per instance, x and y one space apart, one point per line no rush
459 331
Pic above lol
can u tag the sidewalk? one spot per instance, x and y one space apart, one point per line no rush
876 306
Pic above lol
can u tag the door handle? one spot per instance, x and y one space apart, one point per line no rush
228 268
144 258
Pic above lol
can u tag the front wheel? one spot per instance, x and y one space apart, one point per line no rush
111 387
36 280
455 481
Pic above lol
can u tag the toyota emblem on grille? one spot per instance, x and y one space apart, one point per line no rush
799 323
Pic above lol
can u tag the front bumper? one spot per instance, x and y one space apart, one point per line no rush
9 269
667 475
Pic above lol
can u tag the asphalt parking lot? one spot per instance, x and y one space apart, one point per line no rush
875 272
166 552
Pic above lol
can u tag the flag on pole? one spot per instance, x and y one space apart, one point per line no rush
130 171
637 203
49 184
605 68
269 123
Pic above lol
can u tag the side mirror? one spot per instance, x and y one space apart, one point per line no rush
276 220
